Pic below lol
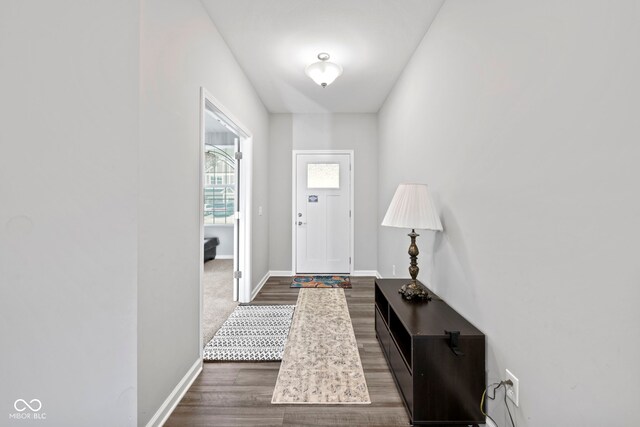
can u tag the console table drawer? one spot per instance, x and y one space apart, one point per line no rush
404 379
383 333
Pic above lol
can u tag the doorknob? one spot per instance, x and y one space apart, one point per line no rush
300 222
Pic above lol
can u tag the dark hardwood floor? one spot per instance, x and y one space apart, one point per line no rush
239 394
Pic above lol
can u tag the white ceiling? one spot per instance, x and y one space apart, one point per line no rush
274 40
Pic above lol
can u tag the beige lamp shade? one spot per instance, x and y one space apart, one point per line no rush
412 207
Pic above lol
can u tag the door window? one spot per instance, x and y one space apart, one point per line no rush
323 175
220 185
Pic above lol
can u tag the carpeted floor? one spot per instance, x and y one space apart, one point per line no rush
217 301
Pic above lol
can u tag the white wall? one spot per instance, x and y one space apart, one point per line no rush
356 132
280 146
523 119
68 188
225 234
181 51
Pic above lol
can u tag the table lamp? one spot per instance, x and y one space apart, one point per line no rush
412 207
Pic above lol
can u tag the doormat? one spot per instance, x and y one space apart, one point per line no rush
321 363
251 333
321 282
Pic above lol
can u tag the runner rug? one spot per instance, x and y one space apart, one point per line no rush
321 363
321 282
251 333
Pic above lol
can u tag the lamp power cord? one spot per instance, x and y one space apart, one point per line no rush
496 386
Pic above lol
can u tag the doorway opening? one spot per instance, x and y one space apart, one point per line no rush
323 212
225 188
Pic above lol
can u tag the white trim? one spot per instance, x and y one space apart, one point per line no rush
352 207
281 273
243 261
224 256
294 179
285 273
245 202
200 207
169 405
245 214
368 273
227 116
260 285
294 195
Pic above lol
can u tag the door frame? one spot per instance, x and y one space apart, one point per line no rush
294 193
245 193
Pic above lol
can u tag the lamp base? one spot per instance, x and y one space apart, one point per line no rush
414 292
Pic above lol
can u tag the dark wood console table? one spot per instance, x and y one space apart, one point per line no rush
440 376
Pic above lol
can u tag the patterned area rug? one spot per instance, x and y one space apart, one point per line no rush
321 363
251 333
321 282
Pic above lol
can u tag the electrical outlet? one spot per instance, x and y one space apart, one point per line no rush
393 268
513 390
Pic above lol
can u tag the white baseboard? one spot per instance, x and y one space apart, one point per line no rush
490 423
285 273
260 285
162 414
356 273
224 256
281 273
369 273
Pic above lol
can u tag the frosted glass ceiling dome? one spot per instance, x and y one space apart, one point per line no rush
323 72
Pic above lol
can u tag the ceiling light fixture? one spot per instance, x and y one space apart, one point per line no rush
323 72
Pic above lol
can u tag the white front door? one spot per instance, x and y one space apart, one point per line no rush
322 215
